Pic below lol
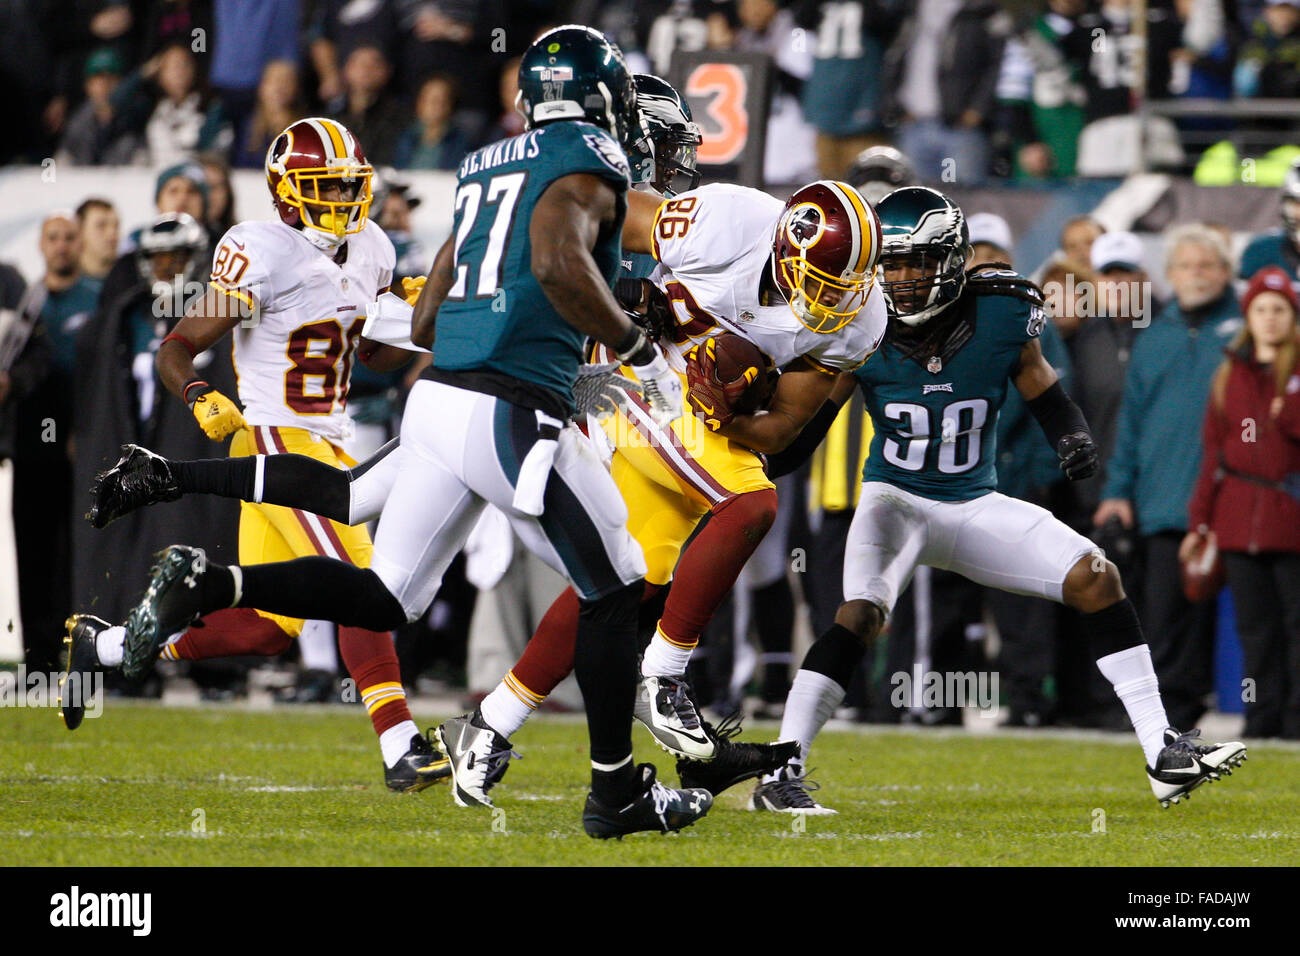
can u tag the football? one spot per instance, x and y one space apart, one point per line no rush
735 356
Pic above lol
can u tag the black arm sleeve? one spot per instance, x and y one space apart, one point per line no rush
805 443
1057 414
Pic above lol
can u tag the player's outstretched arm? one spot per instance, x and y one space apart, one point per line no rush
565 227
202 326
801 392
424 318
1061 420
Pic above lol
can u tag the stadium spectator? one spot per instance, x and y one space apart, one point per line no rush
508 122
188 22
366 107
118 398
44 501
99 237
1278 247
98 133
434 141
1247 499
337 28
24 362
943 104
221 195
1199 45
1065 283
248 34
1269 62
170 103
279 104
393 207
841 98
791 142
990 239
1077 236
1151 474
1041 97
1120 305
467 39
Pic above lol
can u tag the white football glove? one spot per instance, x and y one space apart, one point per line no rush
601 391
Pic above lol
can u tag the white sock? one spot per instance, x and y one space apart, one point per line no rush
812 700
108 645
664 658
396 741
1134 679
508 706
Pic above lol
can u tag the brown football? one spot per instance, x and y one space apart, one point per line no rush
735 355
1202 574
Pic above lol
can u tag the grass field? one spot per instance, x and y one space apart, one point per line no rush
218 786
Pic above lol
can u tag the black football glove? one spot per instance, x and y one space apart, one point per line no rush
1078 454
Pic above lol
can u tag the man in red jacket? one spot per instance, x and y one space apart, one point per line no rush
1247 498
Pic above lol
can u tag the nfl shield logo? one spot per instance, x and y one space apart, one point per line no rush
934 366
746 316
343 283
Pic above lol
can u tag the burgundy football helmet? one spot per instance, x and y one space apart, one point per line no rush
320 180
824 254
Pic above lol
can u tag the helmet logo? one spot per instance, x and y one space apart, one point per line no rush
805 225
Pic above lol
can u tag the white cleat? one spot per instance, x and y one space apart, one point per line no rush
1183 765
479 757
664 705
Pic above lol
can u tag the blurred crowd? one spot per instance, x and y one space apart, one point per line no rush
1195 401
1011 89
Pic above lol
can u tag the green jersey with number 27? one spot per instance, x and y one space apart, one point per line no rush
935 416
496 316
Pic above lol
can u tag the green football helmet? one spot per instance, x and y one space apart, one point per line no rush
577 73
924 253
672 138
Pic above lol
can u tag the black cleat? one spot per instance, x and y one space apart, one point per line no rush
734 761
790 792
421 766
170 602
139 478
80 664
1183 765
656 808
479 758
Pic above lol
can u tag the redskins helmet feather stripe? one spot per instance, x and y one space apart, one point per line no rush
825 251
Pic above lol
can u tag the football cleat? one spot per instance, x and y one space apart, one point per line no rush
734 761
139 478
80 662
421 766
479 757
788 793
1183 765
170 602
656 808
664 705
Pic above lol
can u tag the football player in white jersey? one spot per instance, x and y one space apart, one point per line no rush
294 292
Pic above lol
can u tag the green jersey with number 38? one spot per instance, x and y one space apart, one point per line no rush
496 316
935 409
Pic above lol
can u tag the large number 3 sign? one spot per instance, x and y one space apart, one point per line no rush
725 123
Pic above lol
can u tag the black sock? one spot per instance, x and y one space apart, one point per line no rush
605 664
836 654
324 589
227 477
1113 629
615 788
774 621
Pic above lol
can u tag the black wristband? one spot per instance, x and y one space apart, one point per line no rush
1057 414
199 387
634 348
629 293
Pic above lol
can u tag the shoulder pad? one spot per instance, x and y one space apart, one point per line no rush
998 278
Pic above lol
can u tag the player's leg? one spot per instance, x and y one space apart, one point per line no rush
351 496
1016 546
886 541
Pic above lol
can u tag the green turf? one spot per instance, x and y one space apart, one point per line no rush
292 787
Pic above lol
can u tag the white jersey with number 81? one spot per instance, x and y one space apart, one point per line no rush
293 360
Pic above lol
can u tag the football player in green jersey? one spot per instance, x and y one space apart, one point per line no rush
955 339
